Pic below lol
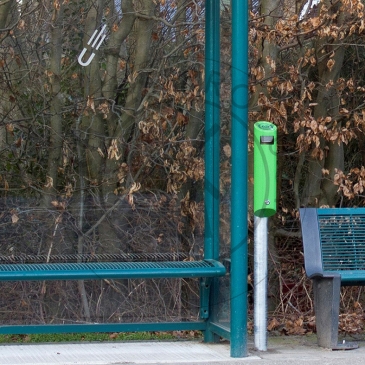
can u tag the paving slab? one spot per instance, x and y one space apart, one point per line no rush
303 350
282 350
116 353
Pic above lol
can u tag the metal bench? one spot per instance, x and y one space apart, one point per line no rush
334 254
28 268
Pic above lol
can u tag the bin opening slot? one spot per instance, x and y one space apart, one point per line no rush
266 139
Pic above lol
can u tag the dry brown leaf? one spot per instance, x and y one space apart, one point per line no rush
227 150
14 218
274 323
330 64
49 182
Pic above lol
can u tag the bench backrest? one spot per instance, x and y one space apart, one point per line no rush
333 240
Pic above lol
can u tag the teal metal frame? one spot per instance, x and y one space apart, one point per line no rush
212 151
239 204
209 275
239 201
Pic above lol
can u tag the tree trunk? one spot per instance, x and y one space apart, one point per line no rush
137 80
5 106
114 51
320 191
50 190
267 51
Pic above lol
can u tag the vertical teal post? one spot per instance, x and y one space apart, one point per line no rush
239 227
212 140
212 129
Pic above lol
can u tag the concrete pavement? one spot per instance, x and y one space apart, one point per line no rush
281 350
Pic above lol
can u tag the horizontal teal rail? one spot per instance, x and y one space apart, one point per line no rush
111 270
103 327
352 277
221 329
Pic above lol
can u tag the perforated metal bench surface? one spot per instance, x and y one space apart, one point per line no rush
334 242
111 270
334 256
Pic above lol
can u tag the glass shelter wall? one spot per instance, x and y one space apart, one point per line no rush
103 159
102 149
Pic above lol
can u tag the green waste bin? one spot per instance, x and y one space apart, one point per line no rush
265 162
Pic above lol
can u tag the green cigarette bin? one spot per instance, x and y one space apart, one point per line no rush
265 162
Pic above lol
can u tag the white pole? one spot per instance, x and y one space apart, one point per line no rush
260 282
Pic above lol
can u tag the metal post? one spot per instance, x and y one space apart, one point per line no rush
212 130
260 282
239 227
212 150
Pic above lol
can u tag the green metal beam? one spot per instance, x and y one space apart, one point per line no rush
239 227
103 327
221 329
212 151
212 128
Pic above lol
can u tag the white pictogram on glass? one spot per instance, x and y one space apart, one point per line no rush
100 36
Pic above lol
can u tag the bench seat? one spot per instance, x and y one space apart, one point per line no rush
334 242
205 270
334 256
111 270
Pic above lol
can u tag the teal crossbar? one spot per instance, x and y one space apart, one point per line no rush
103 327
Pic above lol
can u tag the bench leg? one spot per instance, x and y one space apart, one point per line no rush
208 306
327 311
327 308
